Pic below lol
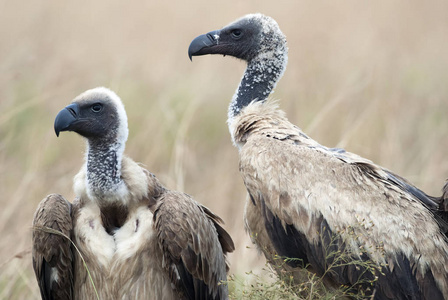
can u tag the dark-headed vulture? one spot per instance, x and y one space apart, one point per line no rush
335 213
125 236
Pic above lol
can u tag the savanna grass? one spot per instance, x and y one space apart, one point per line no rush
367 76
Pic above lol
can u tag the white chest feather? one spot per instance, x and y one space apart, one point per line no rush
91 237
125 265
134 234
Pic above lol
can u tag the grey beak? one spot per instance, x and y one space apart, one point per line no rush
200 44
65 118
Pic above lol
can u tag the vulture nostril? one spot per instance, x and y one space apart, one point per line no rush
72 111
211 37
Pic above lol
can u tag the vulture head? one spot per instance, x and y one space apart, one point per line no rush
97 114
252 36
256 39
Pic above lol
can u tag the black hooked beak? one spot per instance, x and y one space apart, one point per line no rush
202 44
66 117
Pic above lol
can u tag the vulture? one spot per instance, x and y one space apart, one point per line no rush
308 203
125 236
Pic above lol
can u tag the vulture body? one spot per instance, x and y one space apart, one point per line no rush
132 237
444 198
308 202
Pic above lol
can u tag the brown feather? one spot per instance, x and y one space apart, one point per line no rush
192 239
113 216
444 205
297 180
52 253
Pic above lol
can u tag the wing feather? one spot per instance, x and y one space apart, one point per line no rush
300 182
52 253
194 246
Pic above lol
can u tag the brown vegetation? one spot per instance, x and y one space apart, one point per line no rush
367 76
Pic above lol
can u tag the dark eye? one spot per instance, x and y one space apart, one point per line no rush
236 33
97 107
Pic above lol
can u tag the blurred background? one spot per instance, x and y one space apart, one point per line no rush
369 76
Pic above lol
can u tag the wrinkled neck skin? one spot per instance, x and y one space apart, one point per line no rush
258 82
104 182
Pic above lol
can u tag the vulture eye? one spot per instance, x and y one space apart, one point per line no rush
97 107
236 33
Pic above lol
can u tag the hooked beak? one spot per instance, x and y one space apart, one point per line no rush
66 117
202 44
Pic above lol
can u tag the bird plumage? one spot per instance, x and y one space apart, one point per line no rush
52 253
444 198
132 237
307 201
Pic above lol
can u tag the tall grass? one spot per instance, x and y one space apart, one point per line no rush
370 77
279 280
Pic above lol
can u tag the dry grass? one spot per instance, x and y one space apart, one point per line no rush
368 76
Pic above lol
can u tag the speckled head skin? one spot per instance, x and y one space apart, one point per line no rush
256 39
